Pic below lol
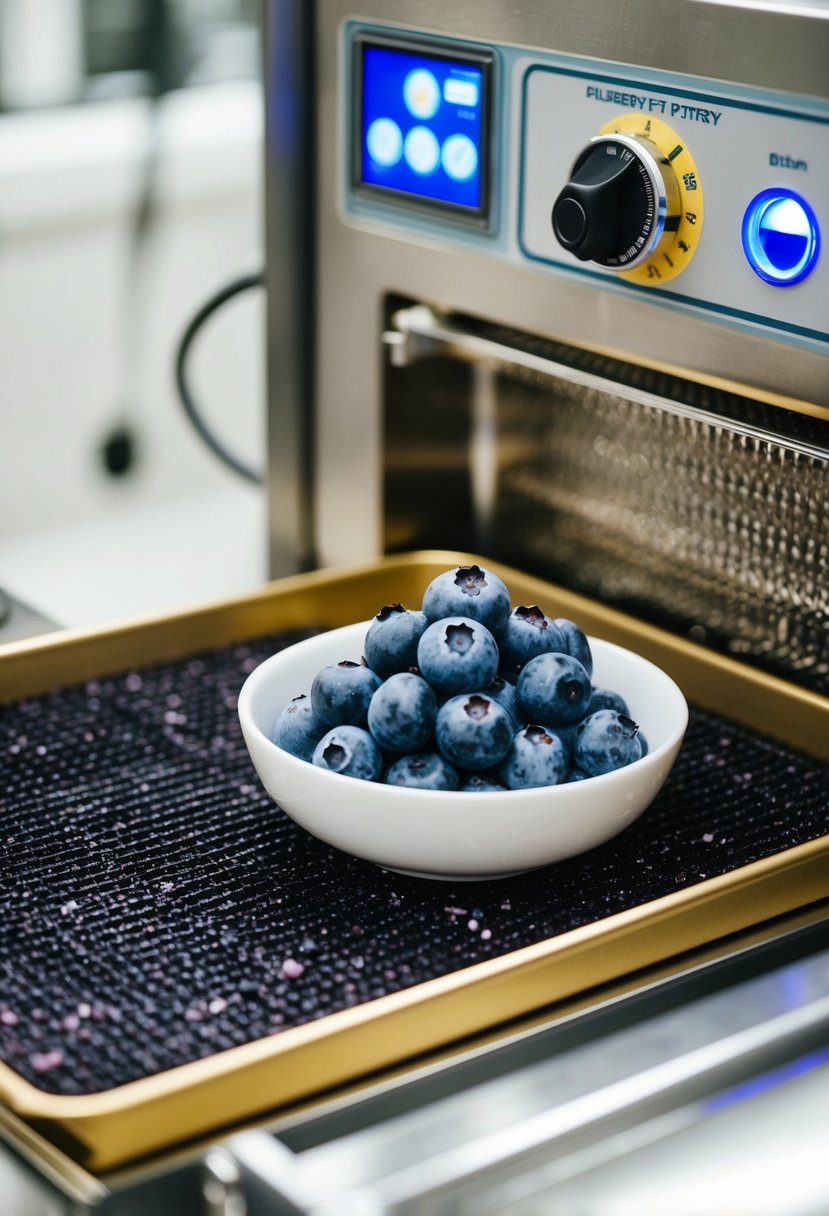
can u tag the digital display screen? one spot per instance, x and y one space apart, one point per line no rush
423 125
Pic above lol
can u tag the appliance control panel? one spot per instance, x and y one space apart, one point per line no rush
717 201
704 197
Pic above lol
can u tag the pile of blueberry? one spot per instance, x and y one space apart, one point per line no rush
464 694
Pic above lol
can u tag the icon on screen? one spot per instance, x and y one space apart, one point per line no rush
459 157
421 92
384 141
422 151
458 92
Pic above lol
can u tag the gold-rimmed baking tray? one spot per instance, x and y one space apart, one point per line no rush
462 982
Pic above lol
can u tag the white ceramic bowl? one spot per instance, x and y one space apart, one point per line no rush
448 834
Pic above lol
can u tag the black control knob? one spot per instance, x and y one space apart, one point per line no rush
621 200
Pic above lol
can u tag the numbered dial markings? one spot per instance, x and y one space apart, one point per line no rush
677 247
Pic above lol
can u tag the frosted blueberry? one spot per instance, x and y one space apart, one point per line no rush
504 693
577 774
298 729
537 757
424 771
481 783
606 698
605 741
401 714
575 642
350 751
528 632
473 732
391 641
340 693
468 591
553 688
457 654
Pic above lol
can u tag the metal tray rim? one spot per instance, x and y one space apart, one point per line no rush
108 1128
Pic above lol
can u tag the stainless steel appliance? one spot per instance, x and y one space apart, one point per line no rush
549 276
566 304
546 284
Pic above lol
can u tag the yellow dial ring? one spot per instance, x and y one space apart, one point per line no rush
677 249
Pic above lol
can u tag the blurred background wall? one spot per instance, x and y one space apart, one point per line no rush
130 190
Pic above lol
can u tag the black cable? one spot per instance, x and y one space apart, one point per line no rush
213 304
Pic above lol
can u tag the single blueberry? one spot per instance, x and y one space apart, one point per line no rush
340 693
576 774
481 783
567 734
537 757
401 714
606 741
504 693
553 688
606 698
424 771
391 641
528 632
457 654
350 751
298 729
468 591
575 642
473 732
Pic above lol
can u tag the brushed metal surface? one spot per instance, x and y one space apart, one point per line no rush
684 505
288 234
768 45
429 332
464 1152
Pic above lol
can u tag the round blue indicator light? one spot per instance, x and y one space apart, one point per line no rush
781 237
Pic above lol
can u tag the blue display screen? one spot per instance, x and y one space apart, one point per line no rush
423 128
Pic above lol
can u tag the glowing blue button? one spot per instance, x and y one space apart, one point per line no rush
781 237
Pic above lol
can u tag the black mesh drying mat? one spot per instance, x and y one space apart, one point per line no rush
155 907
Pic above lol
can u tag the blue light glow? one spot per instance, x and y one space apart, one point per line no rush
781 237
437 105
768 1081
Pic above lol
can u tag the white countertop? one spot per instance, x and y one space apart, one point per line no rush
176 554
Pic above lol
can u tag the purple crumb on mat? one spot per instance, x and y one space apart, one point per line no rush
45 1061
165 852
291 969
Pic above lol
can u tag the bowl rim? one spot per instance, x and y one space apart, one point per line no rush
263 671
